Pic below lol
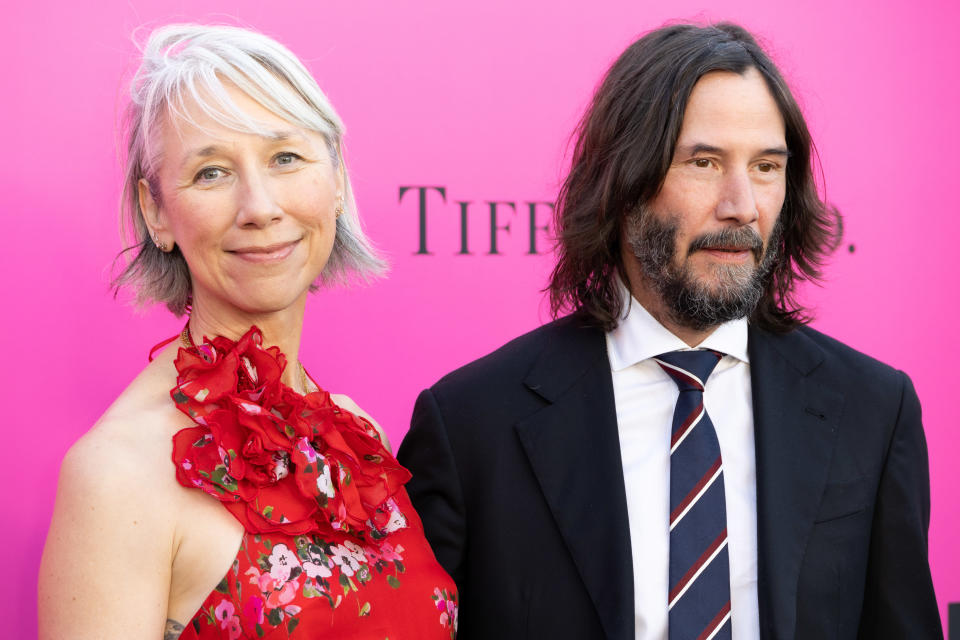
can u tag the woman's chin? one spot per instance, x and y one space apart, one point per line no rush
267 302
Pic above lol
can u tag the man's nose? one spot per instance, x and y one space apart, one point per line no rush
257 205
737 199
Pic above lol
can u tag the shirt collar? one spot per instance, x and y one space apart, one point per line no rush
639 336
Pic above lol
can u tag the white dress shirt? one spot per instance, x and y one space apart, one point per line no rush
645 397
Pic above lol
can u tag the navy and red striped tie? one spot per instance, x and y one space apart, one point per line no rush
699 598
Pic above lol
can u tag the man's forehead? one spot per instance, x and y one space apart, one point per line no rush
729 112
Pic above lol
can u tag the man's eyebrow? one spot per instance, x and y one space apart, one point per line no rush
702 147
776 151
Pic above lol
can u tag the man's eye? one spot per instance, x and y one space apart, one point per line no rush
766 167
208 174
703 163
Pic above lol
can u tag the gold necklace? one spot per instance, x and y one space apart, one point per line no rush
187 340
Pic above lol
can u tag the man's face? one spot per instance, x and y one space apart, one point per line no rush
705 244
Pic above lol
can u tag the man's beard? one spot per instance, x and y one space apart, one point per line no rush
693 302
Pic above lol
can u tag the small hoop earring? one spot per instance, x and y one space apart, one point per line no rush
338 211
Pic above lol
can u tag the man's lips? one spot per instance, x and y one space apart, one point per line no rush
265 253
728 253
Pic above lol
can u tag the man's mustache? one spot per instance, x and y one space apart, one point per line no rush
740 238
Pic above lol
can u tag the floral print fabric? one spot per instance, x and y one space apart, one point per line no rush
332 547
282 586
279 460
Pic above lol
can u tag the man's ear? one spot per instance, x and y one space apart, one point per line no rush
159 233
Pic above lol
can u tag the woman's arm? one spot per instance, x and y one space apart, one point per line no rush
105 571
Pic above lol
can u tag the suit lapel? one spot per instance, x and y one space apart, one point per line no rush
795 425
574 449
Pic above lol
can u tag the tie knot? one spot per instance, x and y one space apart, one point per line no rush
689 369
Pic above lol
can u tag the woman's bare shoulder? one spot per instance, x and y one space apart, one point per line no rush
130 445
114 525
347 403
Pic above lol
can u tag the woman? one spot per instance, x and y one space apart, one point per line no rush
282 513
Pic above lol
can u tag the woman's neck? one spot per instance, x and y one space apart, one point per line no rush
281 329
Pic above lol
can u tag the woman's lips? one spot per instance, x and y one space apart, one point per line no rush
269 253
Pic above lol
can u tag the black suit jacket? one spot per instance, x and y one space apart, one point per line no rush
518 480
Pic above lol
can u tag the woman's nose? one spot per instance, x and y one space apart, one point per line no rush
257 204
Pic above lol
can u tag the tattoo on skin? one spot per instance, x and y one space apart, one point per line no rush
172 630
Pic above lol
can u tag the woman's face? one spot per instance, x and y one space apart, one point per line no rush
254 216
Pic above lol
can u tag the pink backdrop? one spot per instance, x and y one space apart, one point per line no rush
478 99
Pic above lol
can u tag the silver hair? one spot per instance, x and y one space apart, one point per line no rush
190 61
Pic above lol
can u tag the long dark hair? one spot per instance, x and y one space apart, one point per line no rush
624 146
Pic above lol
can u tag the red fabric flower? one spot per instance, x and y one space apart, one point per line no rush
278 460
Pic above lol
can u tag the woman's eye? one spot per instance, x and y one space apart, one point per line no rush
208 174
286 159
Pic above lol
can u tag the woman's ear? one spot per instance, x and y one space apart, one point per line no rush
159 233
340 182
340 179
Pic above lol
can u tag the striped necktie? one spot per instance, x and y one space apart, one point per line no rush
699 598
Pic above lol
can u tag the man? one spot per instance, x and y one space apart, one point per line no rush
681 457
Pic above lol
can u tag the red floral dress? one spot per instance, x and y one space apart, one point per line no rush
332 547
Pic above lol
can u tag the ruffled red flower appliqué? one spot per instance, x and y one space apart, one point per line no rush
279 460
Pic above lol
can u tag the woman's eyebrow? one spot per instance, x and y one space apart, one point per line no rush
214 149
280 136
201 152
